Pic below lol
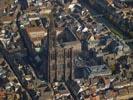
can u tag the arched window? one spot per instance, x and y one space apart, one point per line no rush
68 65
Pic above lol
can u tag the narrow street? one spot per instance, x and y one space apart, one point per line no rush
10 61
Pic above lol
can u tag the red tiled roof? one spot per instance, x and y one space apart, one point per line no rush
35 29
7 18
2 93
110 2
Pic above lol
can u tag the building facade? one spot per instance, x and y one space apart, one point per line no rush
60 58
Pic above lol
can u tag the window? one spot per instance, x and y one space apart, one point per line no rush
60 56
68 53
53 67
68 64
52 56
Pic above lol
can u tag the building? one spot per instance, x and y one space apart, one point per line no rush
36 35
118 12
60 57
10 87
61 91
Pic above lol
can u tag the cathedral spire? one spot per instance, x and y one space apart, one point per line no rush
51 31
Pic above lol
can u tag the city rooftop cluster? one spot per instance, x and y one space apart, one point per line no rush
66 50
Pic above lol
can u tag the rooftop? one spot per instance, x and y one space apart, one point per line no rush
8 81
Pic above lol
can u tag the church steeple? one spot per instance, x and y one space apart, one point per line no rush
51 31
60 59
52 52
